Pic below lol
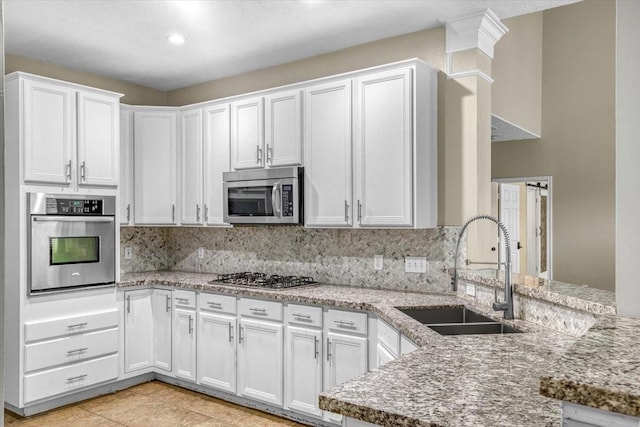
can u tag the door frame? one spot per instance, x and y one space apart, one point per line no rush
549 180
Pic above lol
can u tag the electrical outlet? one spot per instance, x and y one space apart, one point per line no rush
378 262
415 264
471 290
128 253
200 252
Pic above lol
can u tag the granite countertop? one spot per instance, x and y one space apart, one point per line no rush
484 380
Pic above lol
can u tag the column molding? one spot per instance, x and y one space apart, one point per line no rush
481 29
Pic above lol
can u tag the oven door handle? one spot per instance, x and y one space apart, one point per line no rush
108 219
275 201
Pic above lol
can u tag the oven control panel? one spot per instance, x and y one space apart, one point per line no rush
74 206
287 200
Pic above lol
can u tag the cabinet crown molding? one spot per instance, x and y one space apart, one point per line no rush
477 30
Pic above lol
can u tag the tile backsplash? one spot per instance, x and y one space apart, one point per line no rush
336 256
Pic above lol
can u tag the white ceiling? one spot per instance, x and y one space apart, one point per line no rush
126 40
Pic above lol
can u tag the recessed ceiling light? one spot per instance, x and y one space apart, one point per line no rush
176 38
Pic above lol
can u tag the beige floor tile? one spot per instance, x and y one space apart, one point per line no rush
101 400
68 417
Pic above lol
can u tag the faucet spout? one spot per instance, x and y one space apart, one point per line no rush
507 305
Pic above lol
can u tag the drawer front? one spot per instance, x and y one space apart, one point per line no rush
271 310
389 337
218 303
185 299
303 315
73 348
69 378
346 321
40 330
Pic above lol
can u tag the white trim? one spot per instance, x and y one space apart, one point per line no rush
481 29
469 73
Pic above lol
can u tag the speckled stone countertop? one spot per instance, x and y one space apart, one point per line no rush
488 380
602 369
580 297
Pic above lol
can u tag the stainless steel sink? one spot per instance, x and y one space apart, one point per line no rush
457 320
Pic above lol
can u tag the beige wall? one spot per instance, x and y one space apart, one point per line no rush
577 144
133 94
517 73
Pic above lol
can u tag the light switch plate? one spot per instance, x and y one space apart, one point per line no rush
200 252
415 264
471 290
128 253
378 262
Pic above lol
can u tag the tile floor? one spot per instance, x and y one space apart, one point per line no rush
152 404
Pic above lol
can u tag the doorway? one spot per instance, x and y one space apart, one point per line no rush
524 207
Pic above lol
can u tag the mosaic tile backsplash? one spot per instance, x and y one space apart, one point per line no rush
329 255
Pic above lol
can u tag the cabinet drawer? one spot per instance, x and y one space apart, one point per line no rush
261 309
346 321
69 378
218 303
389 337
184 298
39 330
303 315
70 349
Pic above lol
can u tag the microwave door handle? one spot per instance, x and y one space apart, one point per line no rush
73 219
275 201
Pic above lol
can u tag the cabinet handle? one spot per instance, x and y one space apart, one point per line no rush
183 300
128 212
214 304
79 350
328 349
344 323
77 378
315 348
304 316
128 303
230 332
259 310
258 154
359 211
78 325
173 213
68 171
167 305
240 334
269 158
83 170
190 324
206 213
197 213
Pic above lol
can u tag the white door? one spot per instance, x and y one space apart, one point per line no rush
247 134
383 149
303 370
161 302
155 159
98 139
346 358
260 361
532 233
216 161
510 217
184 344
125 187
283 129
138 330
327 155
217 351
191 166
49 133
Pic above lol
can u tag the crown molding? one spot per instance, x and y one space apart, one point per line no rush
481 29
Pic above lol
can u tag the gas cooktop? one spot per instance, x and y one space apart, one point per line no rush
261 280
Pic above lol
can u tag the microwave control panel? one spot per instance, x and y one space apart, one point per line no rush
74 206
287 200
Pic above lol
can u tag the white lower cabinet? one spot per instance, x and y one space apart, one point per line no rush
138 330
161 306
184 335
216 352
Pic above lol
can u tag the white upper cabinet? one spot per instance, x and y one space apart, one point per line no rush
191 166
68 134
98 139
125 189
247 134
283 129
216 161
155 159
327 155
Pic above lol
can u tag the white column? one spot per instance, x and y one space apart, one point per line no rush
627 157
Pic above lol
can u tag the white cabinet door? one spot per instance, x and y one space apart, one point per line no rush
161 301
327 155
260 361
303 370
247 134
191 166
98 139
283 129
346 358
138 330
184 344
383 148
125 188
49 133
155 167
383 355
217 351
216 161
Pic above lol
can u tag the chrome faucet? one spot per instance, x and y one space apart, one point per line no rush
507 305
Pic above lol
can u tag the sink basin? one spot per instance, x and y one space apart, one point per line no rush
454 314
457 320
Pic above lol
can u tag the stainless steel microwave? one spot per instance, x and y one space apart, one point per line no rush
264 196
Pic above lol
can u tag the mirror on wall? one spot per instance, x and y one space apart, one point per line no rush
524 207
